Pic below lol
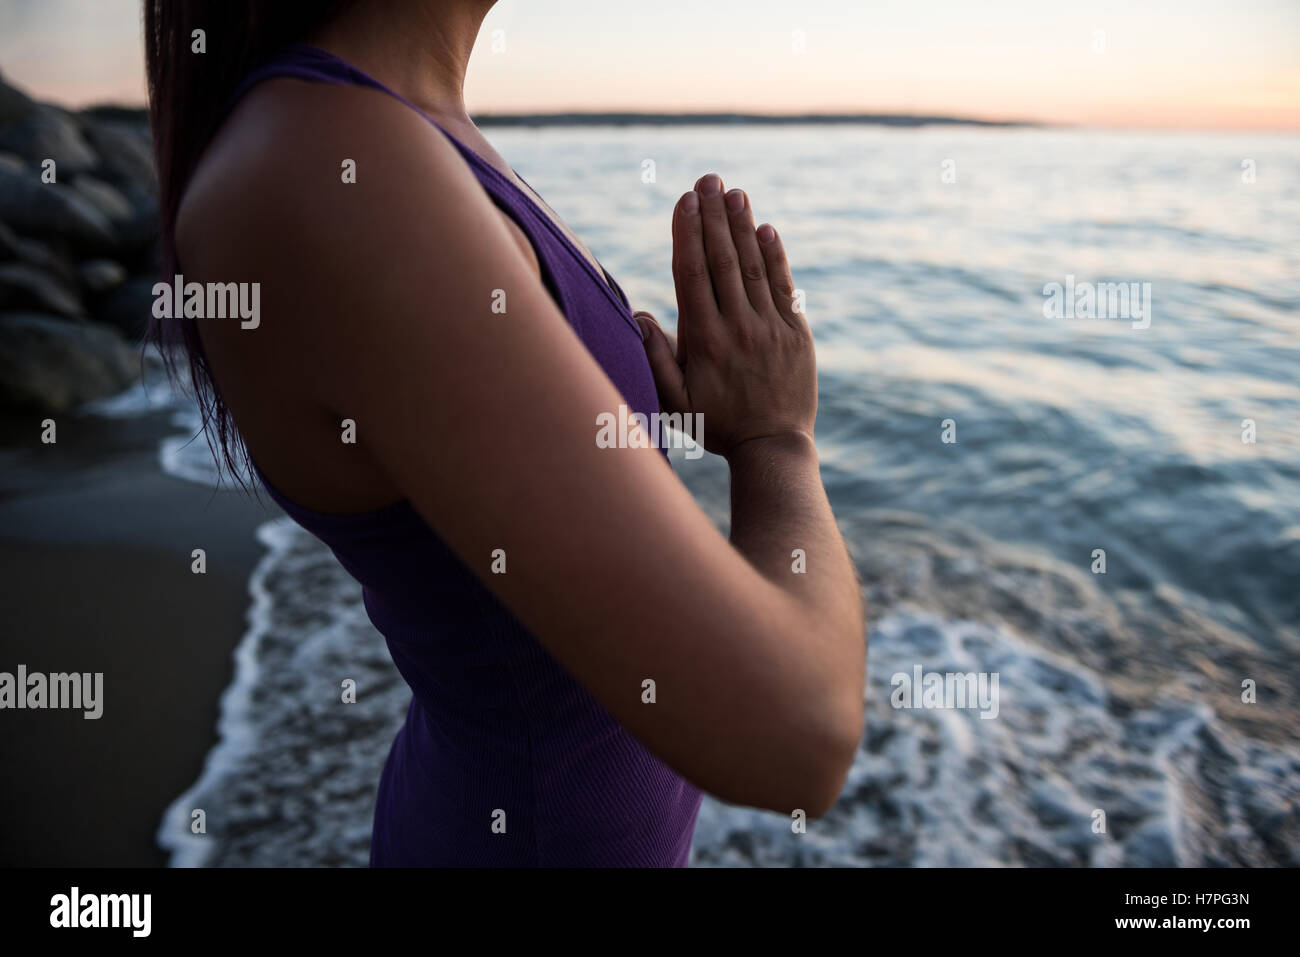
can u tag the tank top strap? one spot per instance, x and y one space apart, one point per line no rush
307 62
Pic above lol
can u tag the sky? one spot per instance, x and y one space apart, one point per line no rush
1196 64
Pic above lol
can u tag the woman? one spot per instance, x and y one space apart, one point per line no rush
421 391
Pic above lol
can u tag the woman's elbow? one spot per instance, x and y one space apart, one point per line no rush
838 749
812 777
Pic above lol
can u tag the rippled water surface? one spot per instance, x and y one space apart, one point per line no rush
1120 692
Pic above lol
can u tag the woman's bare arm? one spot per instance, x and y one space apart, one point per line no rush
382 290
745 355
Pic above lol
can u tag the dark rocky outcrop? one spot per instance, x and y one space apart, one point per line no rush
52 211
78 255
53 364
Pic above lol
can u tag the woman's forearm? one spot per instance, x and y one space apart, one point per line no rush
782 523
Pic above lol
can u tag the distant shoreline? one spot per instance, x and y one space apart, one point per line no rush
115 112
733 119
138 114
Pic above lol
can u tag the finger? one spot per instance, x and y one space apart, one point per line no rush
753 270
691 276
670 381
778 274
723 262
672 343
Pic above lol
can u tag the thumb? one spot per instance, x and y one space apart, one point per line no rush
670 381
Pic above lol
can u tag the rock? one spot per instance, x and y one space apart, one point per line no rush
140 233
107 199
23 286
99 276
126 156
15 105
54 365
37 132
128 307
127 168
46 259
49 133
10 244
34 253
52 210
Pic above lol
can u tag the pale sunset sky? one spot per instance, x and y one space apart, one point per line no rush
1199 64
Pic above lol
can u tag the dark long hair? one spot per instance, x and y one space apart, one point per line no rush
188 93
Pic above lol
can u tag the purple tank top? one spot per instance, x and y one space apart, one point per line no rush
504 759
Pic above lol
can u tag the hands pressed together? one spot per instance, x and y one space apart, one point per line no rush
743 354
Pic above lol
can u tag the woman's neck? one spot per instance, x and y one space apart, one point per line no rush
420 49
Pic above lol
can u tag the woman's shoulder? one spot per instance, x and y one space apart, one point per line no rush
284 159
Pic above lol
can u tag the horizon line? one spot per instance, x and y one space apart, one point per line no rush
742 118
665 117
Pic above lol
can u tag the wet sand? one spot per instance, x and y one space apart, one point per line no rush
95 547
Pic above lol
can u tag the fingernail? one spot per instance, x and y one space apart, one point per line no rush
711 185
736 200
691 204
766 233
645 328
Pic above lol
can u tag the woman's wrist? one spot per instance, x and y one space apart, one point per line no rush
770 448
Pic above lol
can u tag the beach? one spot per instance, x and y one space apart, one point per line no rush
1099 512
95 543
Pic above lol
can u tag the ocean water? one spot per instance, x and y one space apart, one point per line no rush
1171 441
